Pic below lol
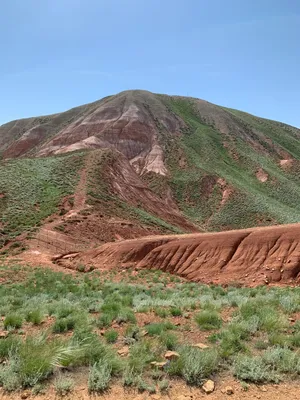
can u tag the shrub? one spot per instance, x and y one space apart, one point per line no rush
9 377
253 369
126 315
158 327
279 339
230 344
169 340
8 346
64 324
198 364
99 377
111 336
13 321
35 317
208 320
141 354
282 360
144 386
175 311
95 351
63 385
161 312
164 385
130 378
295 340
105 320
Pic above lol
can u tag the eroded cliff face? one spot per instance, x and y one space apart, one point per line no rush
128 122
252 256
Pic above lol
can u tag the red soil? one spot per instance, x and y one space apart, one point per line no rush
251 256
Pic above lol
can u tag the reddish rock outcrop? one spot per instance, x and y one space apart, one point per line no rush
256 256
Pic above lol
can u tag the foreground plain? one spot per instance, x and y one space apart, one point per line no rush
108 333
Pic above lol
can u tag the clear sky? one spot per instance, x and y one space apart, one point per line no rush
56 54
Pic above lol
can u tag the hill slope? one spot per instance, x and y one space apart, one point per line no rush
189 164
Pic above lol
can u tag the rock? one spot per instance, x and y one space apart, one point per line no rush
3 334
263 389
124 351
178 323
25 395
292 320
201 346
156 397
158 364
171 355
209 386
229 390
143 332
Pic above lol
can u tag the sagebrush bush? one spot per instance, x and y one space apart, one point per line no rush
253 369
198 365
99 377
63 385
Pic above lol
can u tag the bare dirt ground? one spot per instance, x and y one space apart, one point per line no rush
178 391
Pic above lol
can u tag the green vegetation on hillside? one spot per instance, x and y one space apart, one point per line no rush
95 323
31 190
210 155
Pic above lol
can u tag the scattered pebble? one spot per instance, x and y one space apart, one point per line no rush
209 386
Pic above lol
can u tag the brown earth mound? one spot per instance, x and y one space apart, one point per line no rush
252 256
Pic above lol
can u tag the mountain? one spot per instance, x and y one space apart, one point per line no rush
139 163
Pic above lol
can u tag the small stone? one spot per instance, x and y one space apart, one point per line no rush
160 365
25 395
253 280
263 389
156 397
209 386
229 390
292 319
124 351
201 346
144 332
178 323
171 355
3 334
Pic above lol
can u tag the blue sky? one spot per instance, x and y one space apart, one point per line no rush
57 54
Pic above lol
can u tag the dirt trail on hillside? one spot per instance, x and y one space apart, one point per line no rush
49 237
252 256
